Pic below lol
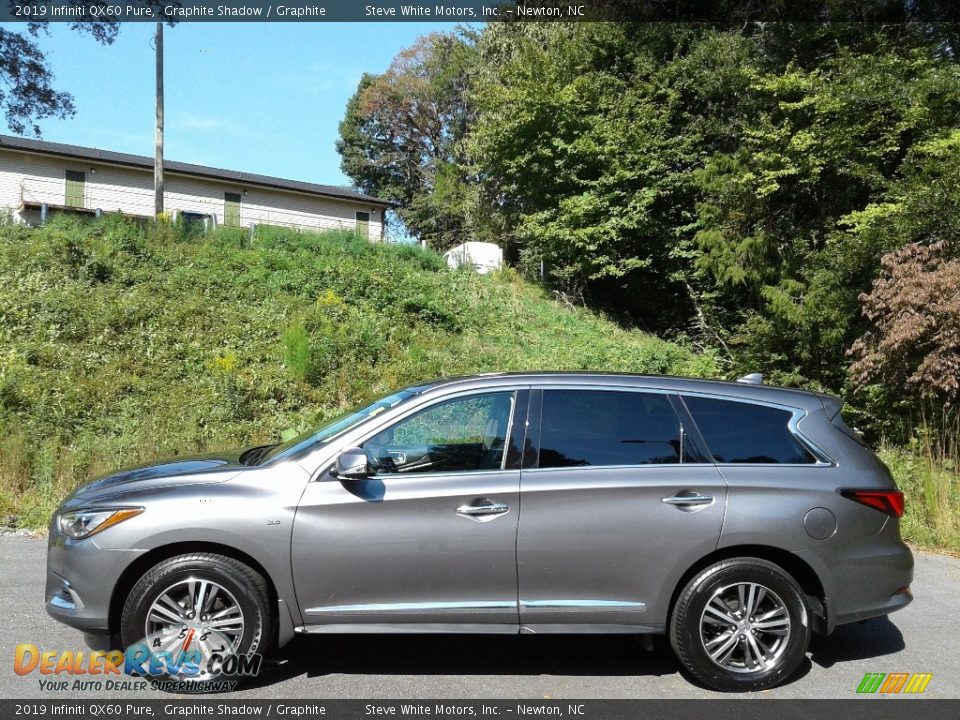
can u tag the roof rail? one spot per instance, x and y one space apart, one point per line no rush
751 379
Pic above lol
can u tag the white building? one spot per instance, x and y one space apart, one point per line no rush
482 257
38 178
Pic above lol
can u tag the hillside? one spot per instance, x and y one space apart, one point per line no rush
120 343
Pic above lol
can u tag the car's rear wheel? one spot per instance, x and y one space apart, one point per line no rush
192 613
741 624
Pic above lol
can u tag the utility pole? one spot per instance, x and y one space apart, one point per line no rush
158 154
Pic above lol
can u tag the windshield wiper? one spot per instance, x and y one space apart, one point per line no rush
255 454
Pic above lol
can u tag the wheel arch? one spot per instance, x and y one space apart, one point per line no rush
805 576
142 564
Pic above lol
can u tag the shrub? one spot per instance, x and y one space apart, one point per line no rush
296 345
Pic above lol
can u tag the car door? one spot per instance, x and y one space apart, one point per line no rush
616 497
428 540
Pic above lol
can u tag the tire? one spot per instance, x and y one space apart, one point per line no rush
747 655
229 590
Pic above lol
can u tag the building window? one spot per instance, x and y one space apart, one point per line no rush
231 209
75 189
363 225
196 222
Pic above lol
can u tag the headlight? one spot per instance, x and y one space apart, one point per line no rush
79 524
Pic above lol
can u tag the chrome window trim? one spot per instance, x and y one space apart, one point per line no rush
595 468
444 474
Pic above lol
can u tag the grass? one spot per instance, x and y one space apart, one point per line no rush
121 343
931 486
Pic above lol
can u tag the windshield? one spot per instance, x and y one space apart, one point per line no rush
299 445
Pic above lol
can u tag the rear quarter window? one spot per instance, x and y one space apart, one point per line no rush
839 424
745 432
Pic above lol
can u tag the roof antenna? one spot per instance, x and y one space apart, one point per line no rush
751 379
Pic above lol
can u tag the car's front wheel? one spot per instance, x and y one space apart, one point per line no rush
193 618
740 624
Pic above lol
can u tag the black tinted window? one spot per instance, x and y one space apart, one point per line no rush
585 427
742 432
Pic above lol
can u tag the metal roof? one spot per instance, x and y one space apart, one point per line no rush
78 152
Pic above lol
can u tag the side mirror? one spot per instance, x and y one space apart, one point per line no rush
352 465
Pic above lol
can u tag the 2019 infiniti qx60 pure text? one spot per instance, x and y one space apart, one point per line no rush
736 518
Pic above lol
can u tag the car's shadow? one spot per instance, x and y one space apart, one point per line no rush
859 641
320 655
573 655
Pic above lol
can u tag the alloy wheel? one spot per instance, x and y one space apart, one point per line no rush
194 615
745 627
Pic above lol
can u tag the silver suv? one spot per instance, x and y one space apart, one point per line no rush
736 518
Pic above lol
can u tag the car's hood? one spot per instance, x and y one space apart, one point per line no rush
213 467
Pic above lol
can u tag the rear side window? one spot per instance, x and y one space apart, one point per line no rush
743 432
587 428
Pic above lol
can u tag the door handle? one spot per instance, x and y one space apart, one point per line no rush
688 500
483 509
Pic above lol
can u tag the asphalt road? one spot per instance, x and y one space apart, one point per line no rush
924 637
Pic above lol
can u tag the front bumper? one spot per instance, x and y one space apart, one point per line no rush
81 577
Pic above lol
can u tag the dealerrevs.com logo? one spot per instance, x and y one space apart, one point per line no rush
188 666
894 683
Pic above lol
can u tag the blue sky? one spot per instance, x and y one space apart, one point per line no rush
264 98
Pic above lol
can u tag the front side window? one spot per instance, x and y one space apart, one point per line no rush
744 432
459 435
588 428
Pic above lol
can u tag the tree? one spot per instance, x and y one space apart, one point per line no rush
584 142
402 136
27 94
907 320
736 184
781 223
914 309
26 90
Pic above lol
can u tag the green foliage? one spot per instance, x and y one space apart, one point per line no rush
788 216
296 344
931 491
737 186
401 137
120 345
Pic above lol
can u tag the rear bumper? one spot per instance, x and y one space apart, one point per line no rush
864 581
898 600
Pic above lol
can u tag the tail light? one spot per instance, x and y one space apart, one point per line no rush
887 501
